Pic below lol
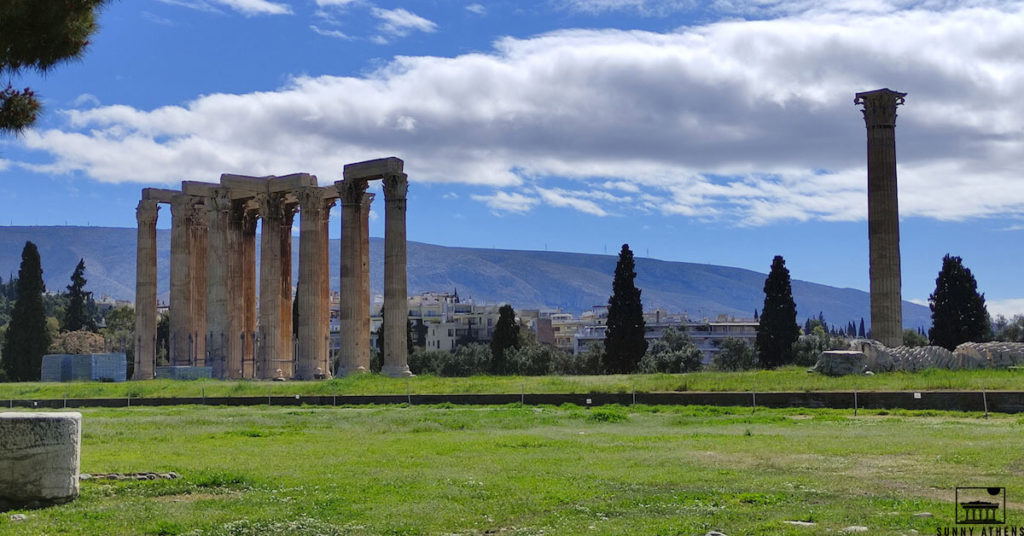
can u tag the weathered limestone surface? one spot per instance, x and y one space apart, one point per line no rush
396 305
248 288
198 281
883 214
39 458
840 363
275 286
181 281
145 290
217 304
313 290
362 342
352 192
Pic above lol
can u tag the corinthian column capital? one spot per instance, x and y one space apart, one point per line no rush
879 106
351 191
146 212
396 186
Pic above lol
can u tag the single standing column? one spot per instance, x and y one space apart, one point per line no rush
181 281
145 291
349 320
363 342
217 305
286 352
248 258
234 344
396 296
271 266
198 281
883 214
312 314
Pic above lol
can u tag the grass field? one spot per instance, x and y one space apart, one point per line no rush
517 471
785 379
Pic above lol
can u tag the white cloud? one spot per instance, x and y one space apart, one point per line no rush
245 7
1008 307
337 34
746 122
336 3
85 100
503 202
478 9
646 7
400 22
562 198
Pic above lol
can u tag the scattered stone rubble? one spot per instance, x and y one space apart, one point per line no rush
129 476
867 355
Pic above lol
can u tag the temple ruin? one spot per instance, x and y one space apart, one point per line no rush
213 298
883 214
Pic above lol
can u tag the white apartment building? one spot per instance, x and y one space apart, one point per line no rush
706 334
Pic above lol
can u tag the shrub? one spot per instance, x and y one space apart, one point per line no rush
78 342
674 352
586 362
735 354
533 360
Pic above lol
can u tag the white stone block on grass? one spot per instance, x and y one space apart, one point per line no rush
39 458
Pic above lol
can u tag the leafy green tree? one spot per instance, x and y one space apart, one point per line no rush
76 316
119 332
777 329
27 338
1011 330
673 353
735 354
505 337
624 342
532 360
37 35
587 361
913 338
958 311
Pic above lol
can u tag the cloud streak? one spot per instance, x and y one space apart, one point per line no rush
749 122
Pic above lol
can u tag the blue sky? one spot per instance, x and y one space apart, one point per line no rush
721 132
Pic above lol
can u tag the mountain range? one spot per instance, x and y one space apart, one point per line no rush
571 282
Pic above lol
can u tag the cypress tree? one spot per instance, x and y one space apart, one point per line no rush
624 341
777 330
27 339
506 335
958 311
860 332
76 316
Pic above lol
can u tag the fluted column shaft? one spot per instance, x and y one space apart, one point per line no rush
181 281
234 282
349 322
218 305
883 215
313 314
275 288
145 291
197 270
396 296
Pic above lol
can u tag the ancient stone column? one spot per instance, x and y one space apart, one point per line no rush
314 317
145 291
198 283
234 282
396 296
248 289
275 286
363 341
181 281
883 214
217 305
350 323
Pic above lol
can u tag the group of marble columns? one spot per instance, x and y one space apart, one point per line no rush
218 320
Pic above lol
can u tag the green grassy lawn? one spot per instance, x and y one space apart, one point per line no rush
517 471
785 379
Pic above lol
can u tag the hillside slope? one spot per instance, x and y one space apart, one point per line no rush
572 282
